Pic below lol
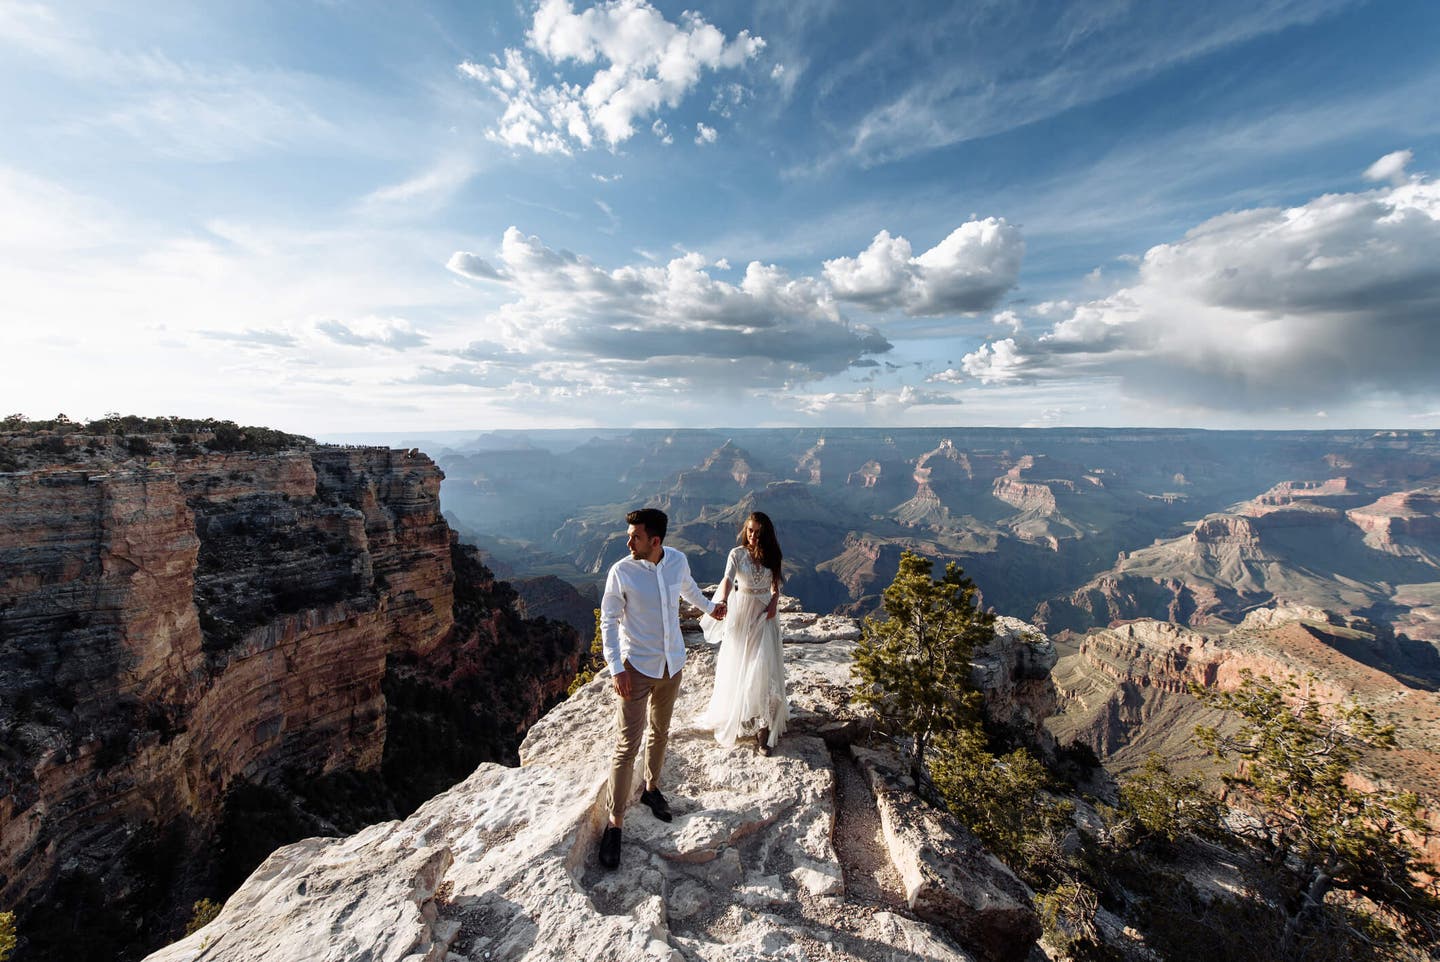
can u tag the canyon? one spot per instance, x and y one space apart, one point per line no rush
206 652
1069 528
211 647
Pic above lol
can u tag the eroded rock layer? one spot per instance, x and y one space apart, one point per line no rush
203 654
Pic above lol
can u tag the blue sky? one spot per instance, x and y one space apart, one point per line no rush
352 216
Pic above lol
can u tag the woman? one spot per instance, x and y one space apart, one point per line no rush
749 695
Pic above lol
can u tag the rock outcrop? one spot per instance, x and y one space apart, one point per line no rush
1126 691
189 635
788 856
1299 543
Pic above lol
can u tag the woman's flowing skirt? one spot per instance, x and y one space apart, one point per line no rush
749 671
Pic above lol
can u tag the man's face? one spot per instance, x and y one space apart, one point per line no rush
642 546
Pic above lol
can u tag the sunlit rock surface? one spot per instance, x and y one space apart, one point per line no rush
768 857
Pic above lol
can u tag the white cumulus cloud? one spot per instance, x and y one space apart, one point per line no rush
633 63
1391 167
473 266
396 334
672 323
1330 302
967 272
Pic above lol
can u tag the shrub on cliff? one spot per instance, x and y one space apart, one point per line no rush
593 662
914 665
1321 832
7 935
204 912
1004 801
1159 807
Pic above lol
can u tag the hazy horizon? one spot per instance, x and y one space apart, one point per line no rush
337 218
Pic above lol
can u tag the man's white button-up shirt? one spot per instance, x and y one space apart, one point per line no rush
640 613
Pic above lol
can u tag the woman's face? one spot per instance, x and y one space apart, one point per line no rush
752 533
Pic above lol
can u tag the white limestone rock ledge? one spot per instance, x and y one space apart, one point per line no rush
503 866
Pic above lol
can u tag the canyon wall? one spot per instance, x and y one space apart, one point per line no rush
1125 692
203 652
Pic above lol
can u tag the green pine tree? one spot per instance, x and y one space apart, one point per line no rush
914 665
1296 766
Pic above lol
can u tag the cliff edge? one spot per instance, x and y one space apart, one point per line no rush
207 652
818 851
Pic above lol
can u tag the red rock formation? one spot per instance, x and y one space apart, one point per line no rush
1125 692
169 630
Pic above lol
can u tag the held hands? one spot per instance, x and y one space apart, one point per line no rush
719 613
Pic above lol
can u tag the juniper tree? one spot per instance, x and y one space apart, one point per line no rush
914 665
1159 806
1296 767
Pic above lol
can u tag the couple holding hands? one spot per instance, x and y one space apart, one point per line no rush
640 631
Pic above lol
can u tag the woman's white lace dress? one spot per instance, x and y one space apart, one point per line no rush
750 669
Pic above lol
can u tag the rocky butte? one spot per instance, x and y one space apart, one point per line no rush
214 642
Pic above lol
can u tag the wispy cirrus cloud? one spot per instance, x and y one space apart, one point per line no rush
1012 65
633 62
252 337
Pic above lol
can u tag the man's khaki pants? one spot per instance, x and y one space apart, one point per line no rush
658 695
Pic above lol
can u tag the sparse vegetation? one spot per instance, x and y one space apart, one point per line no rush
205 911
593 662
224 435
1319 831
1159 807
8 939
1003 799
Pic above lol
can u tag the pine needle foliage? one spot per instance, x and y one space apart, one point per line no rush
7 935
592 663
1296 768
913 666
1159 807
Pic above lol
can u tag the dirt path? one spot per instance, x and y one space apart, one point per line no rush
870 878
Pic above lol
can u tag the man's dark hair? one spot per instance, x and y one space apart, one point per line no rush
653 519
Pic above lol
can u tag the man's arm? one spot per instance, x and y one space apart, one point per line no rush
691 592
612 606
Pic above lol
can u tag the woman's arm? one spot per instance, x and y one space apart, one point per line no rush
724 590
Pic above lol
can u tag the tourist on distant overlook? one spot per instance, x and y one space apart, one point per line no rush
640 633
749 697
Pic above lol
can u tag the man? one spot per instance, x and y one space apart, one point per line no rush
640 632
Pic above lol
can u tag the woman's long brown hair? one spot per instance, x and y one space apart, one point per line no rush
768 555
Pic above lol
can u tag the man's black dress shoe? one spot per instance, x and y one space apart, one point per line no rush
657 803
610 847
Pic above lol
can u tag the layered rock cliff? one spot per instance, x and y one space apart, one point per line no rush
1316 543
205 653
1125 691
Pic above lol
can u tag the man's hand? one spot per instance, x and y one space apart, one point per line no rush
622 684
719 613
